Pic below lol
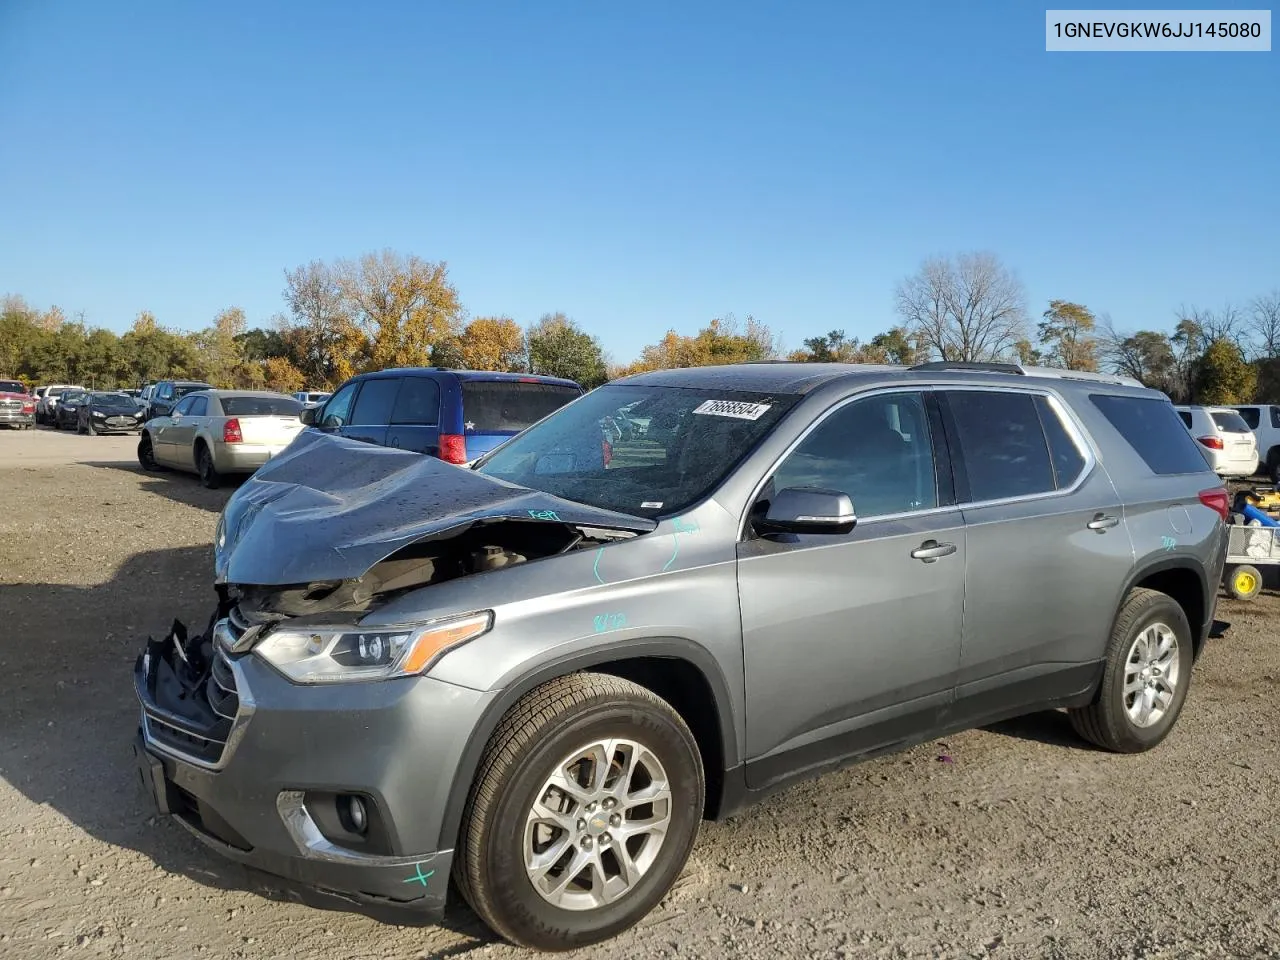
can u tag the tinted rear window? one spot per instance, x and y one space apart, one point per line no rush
1229 422
1155 431
260 407
494 406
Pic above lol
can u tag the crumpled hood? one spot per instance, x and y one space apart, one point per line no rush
329 508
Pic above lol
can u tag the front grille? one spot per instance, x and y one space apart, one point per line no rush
221 688
10 404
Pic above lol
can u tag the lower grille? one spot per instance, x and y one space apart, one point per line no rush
221 688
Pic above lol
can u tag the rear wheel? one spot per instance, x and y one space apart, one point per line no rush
147 454
209 475
1145 679
1244 582
583 813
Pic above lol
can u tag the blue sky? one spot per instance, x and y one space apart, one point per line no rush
638 166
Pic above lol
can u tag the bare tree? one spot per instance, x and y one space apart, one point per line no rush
1265 323
1225 324
973 308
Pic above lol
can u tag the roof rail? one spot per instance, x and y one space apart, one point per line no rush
1022 370
970 365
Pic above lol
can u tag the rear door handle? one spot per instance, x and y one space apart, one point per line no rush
931 550
1102 523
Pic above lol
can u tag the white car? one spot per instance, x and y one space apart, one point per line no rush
311 398
1264 420
1225 439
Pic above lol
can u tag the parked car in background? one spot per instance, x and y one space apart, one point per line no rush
67 413
108 412
46 408
577 657
1264 420
456 415
217 432
312 398
17 407
165 395
1226 440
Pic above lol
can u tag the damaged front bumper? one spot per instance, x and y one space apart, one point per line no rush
264 771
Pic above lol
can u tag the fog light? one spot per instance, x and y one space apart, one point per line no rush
356 814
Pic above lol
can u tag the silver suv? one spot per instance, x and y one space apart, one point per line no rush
538 675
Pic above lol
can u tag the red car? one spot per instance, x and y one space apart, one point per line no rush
17 407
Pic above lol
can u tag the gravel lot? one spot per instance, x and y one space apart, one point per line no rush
1012 842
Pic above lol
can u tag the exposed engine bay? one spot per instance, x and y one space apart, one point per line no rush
479 548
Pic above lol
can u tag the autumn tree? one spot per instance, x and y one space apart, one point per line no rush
219 347
324 343
280 375
403 305
970 308
895 346
493 343
1067 336
558 347
1223 375
721 341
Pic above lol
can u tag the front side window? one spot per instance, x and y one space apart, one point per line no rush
1003 444
338 410
877 450
373 406
199 405
184 407
639 449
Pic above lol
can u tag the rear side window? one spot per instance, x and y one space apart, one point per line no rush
1004 447
1152 427
374 403
1230 422
418 402
261 407
1068 461
1250 415
1275 416
1185 415
501 406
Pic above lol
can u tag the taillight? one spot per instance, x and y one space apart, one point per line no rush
1217 501
453 448
1213 443
231 432
29 407
606 448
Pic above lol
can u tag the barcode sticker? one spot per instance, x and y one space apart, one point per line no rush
738 409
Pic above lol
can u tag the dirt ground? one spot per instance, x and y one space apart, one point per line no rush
1015 842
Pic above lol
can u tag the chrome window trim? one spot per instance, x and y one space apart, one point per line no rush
1075 430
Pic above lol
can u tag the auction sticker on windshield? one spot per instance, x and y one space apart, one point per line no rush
738 409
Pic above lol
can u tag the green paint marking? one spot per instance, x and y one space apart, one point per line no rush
421 877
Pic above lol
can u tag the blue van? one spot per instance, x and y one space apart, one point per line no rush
456 415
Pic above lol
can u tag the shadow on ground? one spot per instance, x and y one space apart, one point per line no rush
1051 727
173 484
68 717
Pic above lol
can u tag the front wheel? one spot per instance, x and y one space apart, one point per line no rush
583 813
1145 678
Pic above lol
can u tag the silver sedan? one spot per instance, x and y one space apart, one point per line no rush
218 432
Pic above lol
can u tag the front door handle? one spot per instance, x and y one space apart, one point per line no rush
1102 523
931 550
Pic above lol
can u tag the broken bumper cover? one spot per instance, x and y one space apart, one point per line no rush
268 795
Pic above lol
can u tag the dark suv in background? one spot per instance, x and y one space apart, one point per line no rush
166 394
456 415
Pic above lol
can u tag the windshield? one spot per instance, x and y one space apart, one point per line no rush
261 407
11 386
182 389
113 401
1230 422
641 450
509 406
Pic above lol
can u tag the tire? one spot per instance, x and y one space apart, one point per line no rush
209 475
146 455
1244 582
1107 722
88 429
544 731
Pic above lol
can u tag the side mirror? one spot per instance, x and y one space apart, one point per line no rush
308 416
808 510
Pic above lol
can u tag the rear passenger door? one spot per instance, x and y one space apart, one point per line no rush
415 419
371 414
1047 549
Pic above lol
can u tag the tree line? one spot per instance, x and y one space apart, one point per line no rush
387 309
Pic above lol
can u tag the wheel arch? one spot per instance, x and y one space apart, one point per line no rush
1186 584
678 670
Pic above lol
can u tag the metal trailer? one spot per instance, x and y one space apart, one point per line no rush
1250 551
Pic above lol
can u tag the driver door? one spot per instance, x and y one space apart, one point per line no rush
852 641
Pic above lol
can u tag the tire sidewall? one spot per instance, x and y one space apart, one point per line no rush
513 893
1160 610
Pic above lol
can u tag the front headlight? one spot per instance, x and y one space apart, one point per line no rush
99 414
341 654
